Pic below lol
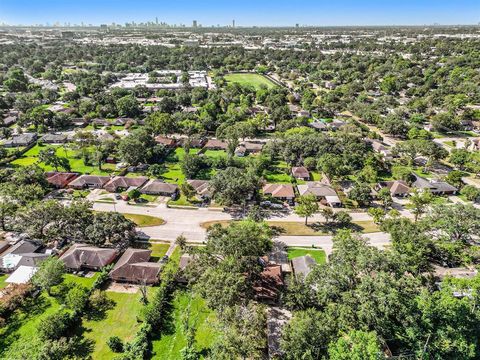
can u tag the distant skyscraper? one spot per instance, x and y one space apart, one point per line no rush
156 20
233 23
194 23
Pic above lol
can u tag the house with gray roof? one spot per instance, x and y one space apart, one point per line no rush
303 265
134 267
86 257
20 140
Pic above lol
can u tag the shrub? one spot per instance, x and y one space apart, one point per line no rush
115 344
55 326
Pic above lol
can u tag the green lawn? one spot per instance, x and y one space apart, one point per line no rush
216 154
2 281
158 250
169 345
249 79
119 321
145 220
279 173
75 160
318 254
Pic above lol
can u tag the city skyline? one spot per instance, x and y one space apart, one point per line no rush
247 13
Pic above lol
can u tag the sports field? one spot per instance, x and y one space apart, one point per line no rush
249 79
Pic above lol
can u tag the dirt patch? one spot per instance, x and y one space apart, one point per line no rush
123 288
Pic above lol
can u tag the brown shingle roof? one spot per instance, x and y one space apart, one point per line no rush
89 180
81 256
216 144
133 266
279 190
125 182
300 172
60 179
159 187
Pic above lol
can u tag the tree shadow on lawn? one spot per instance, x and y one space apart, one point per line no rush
31 308
99 312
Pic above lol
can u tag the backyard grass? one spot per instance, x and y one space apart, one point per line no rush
2 281
318 254
119 321
169 345
279 173
158 249
19 337
144 220
249 79
294 228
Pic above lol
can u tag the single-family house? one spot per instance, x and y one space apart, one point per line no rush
166 141
202 188
9 120
435 187
11 257
380 148
398 188
134 267
122 183
240 150
283 192
86 257
20 140
215 144
336 124
303 265
300 173
158 187
54 138
60 180
269 285
324 193
89 182
318 125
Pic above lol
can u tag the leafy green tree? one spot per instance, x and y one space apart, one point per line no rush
471 193
137 147
307 205
77 298
161 123
356 345
128 106
50 158
385 197
419 201
50 273
361 193
55 326
234 186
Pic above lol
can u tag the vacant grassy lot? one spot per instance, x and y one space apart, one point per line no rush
318 254
279 173
294 228
249 79
144 220
119 321
169 345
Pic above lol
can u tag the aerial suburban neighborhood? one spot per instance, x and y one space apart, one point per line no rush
226 192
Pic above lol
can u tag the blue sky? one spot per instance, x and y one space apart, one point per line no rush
245 12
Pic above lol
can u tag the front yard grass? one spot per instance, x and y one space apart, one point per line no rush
168 347
318 254
295 228
144 220
249 79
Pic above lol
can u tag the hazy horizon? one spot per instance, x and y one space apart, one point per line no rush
246 13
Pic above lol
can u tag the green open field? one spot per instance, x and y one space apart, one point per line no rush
318 254
169 345
278 174
74 159
249 79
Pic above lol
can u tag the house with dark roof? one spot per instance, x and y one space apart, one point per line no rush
11 256
158 187
398 188
54 138
283 192
24 139
89 182
202 188
303 265
122 183
9 120
134 267
86 257
435 187
60 180
300 173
